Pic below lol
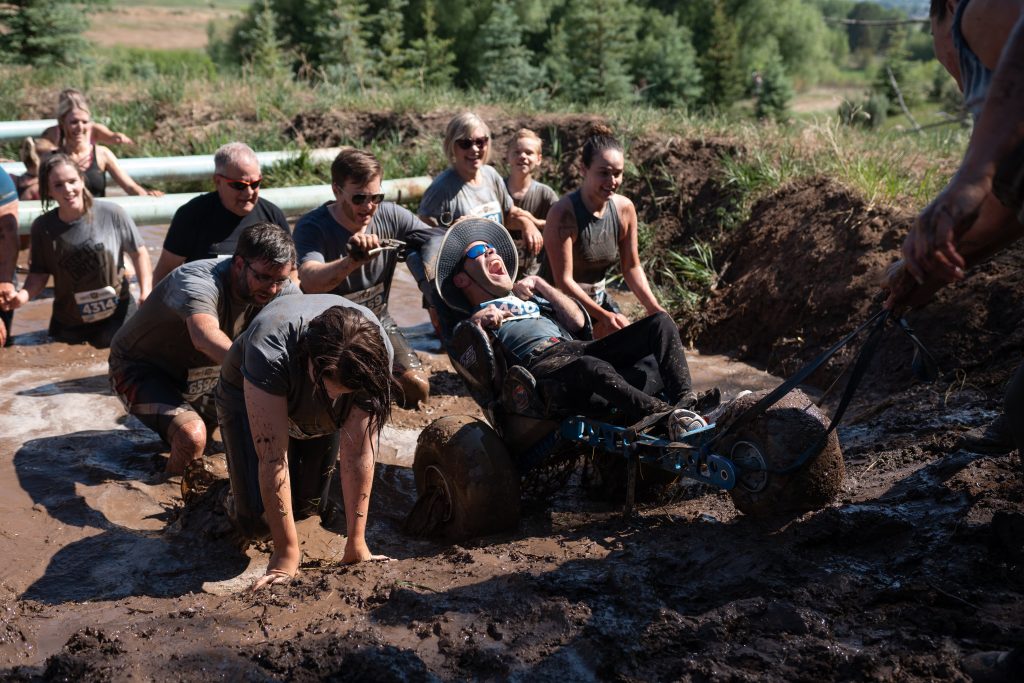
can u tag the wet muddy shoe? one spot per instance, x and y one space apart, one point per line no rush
995 667
994 439
681 421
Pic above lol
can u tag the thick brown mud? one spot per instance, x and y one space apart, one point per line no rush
918 562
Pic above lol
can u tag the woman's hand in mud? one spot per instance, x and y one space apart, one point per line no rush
272 577
357 551
284 565
608 324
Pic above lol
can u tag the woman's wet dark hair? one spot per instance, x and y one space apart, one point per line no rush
937 10
52 162
347 348
599 139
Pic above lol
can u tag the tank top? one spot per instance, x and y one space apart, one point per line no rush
974 75
95 179
596 247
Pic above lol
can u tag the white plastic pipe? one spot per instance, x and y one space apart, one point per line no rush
194 167
292 200
13 130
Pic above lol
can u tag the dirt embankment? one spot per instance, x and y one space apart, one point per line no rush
918 563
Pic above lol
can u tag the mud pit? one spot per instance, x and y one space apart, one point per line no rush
917 563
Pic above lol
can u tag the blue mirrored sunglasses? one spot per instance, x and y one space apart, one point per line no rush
477 250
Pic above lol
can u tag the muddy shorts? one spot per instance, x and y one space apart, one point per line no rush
310 465
1008 183
158 399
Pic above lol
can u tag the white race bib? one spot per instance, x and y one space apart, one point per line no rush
491 210
372 297
97 304
201 381
517 307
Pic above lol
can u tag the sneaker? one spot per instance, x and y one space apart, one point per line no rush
681 421
995 667
702 402
994 439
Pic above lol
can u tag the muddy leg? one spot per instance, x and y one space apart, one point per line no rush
187 434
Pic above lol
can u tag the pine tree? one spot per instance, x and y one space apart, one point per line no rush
505 66
345 55
389 55
776 92
664 64
430 56
720 65
588 52
43 32
262 46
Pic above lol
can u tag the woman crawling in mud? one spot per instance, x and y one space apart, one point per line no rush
310 378
590 229
82 245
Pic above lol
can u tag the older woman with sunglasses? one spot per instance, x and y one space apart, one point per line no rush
82 245
209 225
471 187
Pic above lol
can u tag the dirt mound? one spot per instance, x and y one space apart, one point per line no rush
686 195
803 270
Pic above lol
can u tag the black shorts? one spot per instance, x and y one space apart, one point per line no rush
310 465
156 398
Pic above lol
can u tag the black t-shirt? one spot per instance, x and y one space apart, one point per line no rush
203 228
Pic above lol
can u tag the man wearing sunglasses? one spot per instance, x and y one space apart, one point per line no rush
165 360
334 243
209 225
535 325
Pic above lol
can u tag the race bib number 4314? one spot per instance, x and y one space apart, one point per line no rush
96 304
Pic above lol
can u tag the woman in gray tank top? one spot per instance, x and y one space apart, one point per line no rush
590 230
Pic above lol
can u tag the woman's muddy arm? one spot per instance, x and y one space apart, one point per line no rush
356 464
268 422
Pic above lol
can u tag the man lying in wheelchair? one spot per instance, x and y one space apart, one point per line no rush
550 393
540 329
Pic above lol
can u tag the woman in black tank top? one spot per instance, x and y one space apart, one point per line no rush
591 229
94 161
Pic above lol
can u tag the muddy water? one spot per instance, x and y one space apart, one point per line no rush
89 514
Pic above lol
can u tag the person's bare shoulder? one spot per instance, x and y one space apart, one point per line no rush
986 27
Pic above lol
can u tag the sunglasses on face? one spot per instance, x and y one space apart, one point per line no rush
476 251
241 184
469 143
264 279
360 199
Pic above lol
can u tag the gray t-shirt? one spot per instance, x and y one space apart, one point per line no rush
321 239
86 259
449 197
538 199
267 354
527 328
158 333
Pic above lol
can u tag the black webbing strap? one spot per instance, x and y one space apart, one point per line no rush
864 356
